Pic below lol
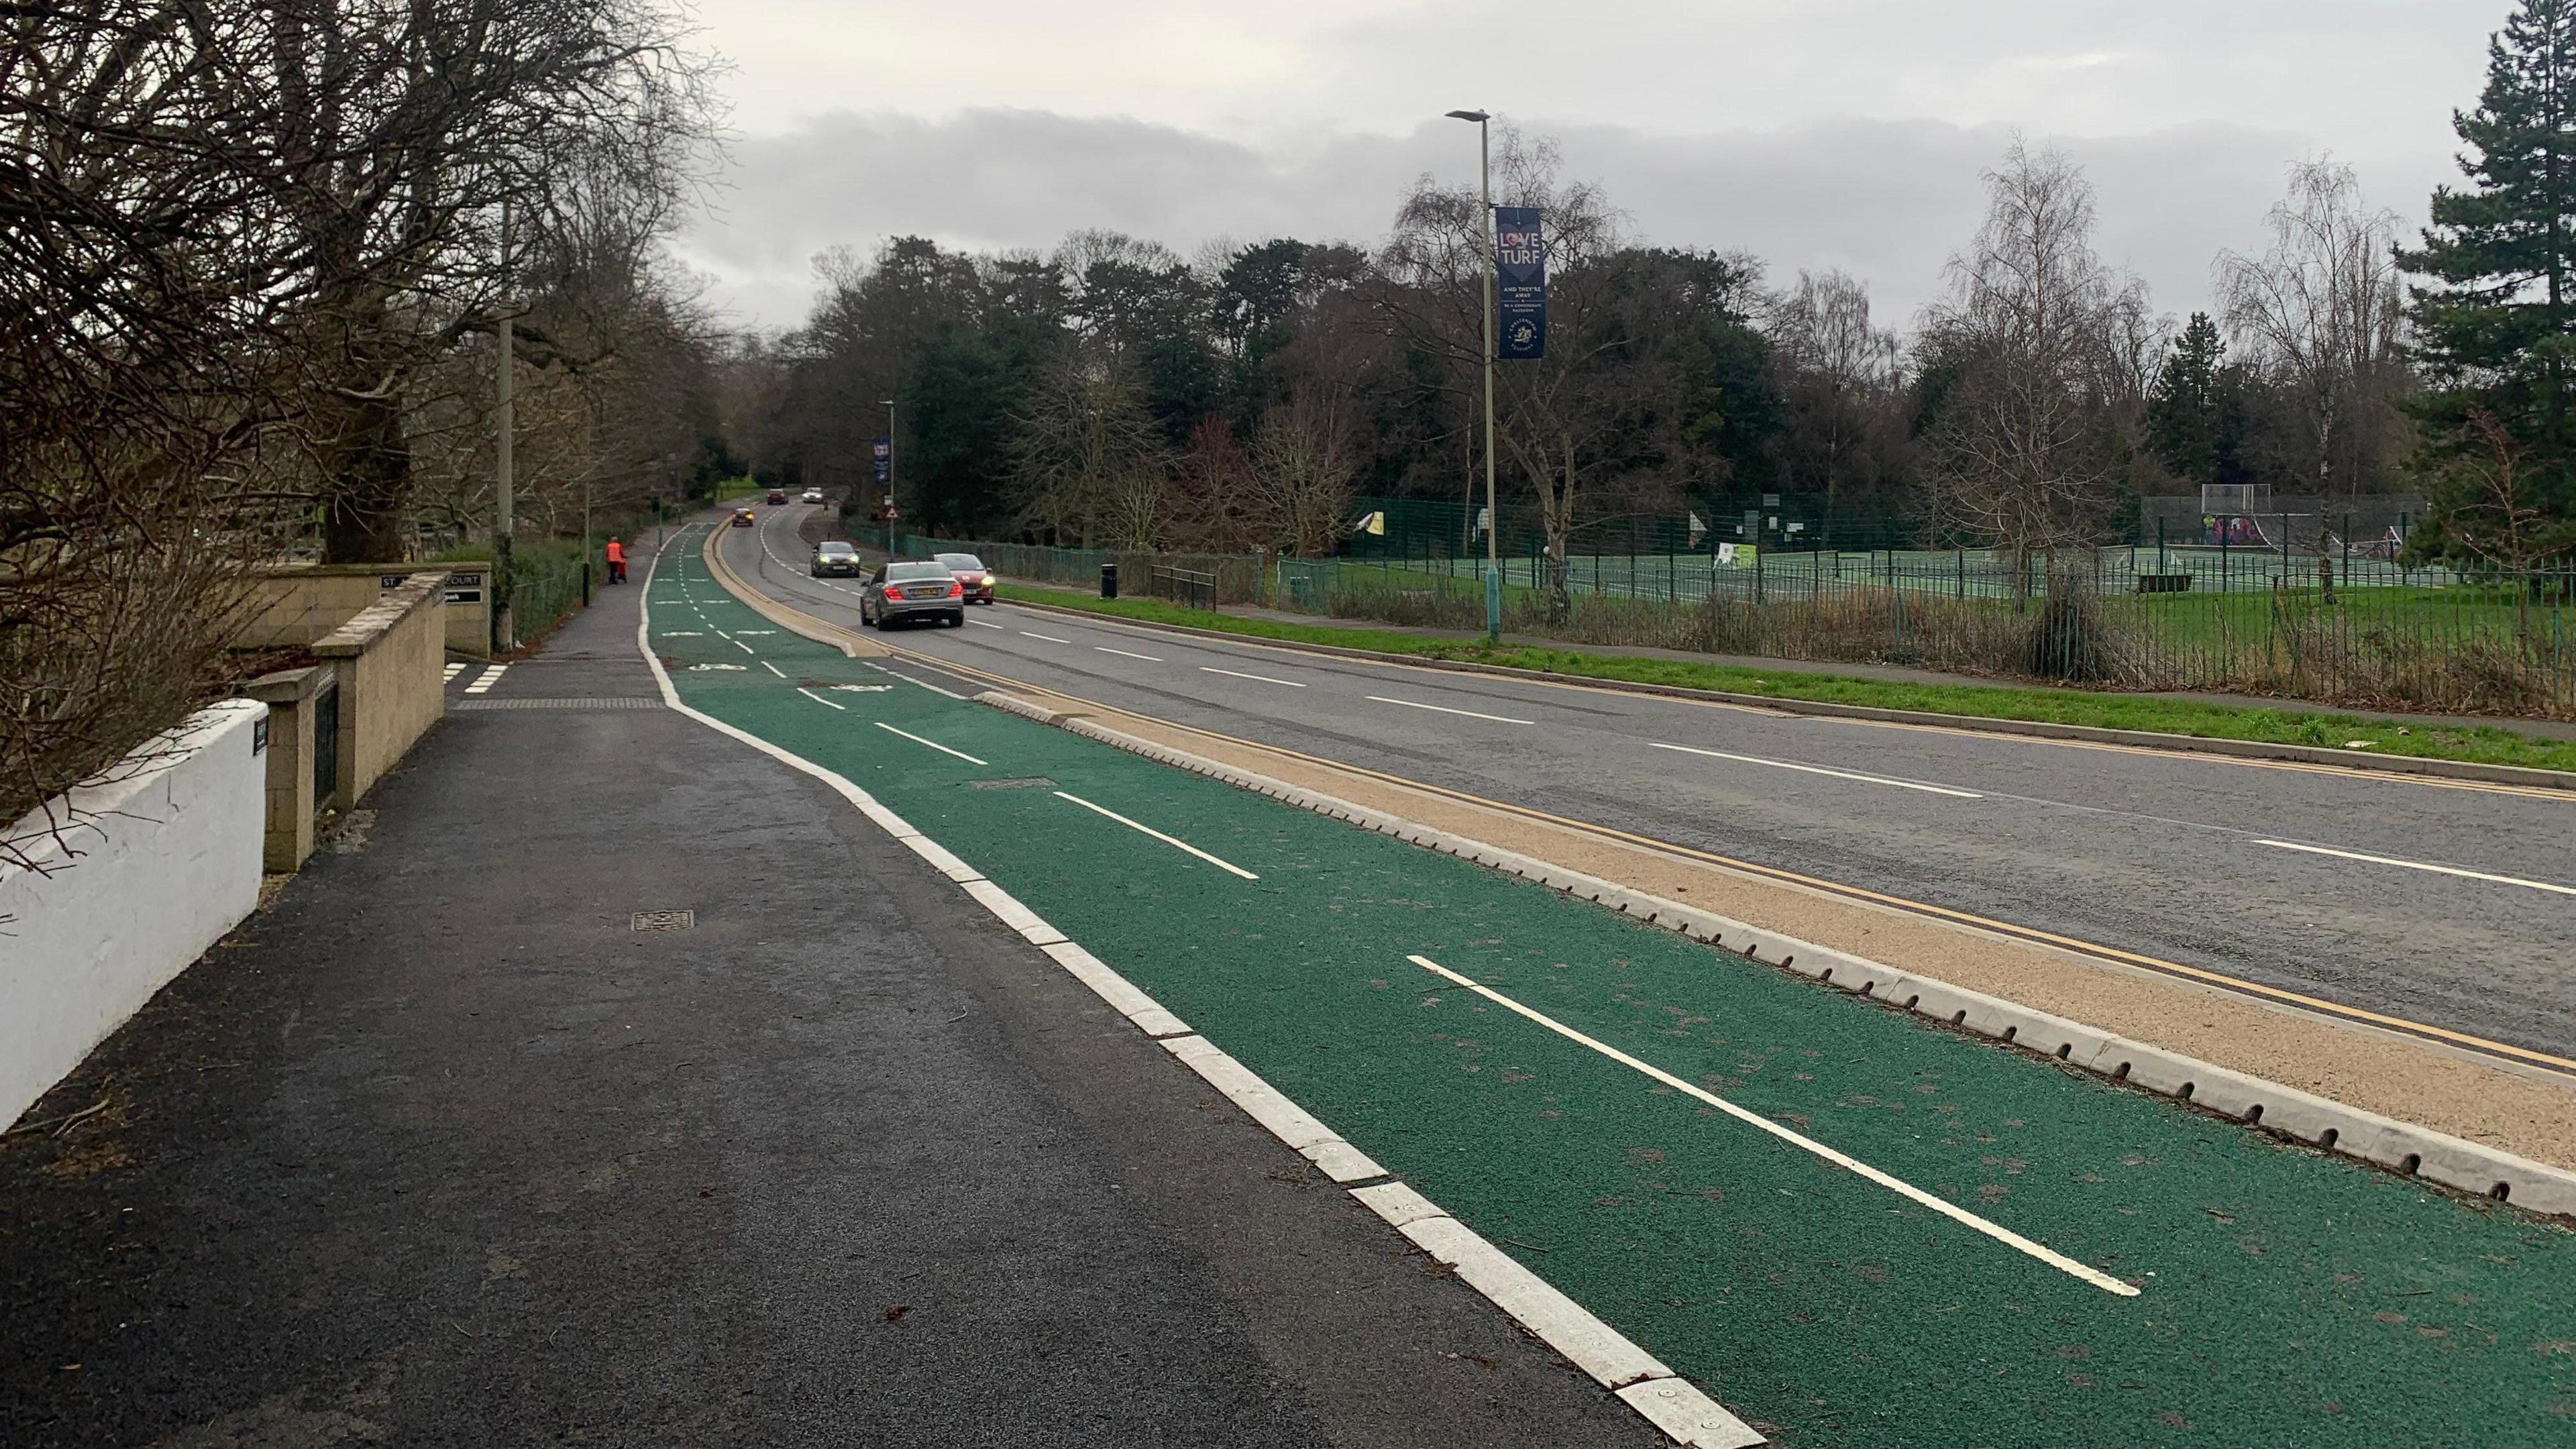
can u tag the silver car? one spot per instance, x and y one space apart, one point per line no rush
912 590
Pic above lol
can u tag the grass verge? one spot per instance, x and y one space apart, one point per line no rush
2481 744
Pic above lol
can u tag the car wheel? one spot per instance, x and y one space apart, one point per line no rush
957 620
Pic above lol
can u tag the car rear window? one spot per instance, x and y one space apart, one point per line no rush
965 561
899 573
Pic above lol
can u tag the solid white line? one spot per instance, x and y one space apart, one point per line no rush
1105 649
1821 770
1264 678
1955 1213
818 699
1158 835
2514 880
1444 709
774 669
980 624
1050 638
934 744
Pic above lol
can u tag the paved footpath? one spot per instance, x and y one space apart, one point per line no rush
2044 1258
438 1150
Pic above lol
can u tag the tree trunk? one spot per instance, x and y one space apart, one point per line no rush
369 483
365 455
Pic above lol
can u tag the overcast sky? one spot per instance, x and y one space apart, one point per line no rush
1814 133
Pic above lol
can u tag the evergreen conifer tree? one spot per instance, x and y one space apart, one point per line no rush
2495 330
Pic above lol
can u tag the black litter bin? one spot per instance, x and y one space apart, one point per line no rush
1109 581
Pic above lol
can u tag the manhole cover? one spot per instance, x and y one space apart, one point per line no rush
1033 782
664 920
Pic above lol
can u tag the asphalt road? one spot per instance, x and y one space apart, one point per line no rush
2467 919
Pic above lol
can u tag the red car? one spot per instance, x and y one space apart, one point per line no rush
778 497
976 579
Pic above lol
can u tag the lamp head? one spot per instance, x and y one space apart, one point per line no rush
1479 117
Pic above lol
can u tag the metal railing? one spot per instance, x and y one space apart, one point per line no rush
1194 588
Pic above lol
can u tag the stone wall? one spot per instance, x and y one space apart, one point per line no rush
390 665
299 603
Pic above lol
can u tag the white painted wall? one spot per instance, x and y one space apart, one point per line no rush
158 868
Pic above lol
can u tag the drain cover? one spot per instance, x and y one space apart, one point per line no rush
663 920
1033 782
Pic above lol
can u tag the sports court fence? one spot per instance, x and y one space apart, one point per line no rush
2339 629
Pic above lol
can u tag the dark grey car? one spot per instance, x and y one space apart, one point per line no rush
832 556
912 590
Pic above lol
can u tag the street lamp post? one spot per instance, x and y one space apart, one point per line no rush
1493 515
889 481
498 590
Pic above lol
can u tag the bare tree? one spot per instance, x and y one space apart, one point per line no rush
1088 460
233 233
142 267
1841 377
1303 464
404 131
2043 347
2319 314
1582 418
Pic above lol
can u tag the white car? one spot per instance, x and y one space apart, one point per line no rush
813 495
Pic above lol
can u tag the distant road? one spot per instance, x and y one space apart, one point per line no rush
2444 903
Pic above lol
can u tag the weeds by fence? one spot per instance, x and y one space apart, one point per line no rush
2358 632
546 580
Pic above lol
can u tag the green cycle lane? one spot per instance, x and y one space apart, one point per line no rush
2286 1297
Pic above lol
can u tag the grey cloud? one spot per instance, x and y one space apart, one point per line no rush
1886 200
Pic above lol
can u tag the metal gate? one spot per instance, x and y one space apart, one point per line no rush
326 744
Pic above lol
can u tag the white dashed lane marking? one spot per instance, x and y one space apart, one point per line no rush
1444 709
1171 841
2450 870
1820 770
1238 674
934 744
484 681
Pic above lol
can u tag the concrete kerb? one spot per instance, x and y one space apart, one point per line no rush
2251 1101
1672 1404
1981 724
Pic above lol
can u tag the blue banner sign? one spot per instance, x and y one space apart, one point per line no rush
883 451
1520 277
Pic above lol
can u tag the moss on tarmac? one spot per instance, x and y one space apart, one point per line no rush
2287 1297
